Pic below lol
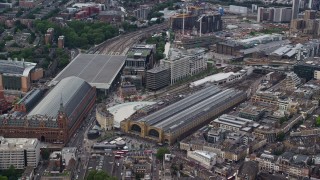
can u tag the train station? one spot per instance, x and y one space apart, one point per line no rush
98 70
173 122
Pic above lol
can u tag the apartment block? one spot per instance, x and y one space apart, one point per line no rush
61 42
282 15
142 12
279 15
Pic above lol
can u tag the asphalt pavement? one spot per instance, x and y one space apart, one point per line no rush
117 168
79 140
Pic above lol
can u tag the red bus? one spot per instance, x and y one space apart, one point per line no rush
120 152
125 151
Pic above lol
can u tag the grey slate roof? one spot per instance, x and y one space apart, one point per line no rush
71 89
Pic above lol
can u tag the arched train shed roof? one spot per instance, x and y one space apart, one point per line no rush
71 89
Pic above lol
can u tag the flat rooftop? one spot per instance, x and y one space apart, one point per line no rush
157 69
96 69
14 144
252 110
125 110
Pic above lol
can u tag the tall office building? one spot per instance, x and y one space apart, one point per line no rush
313 4
282 15
261 11
271 14
142 12
295 9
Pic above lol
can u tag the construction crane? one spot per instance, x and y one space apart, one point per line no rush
200 20
184 10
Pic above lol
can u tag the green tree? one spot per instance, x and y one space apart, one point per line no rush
2 46
11 173
280 136
62 57
80 34
160 6
128 27
283 119
161 152
3 177
156 14
8 38
99 175
19 13
45 154
160 42
318 121
1 28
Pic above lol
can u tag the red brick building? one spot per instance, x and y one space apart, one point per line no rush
27 3
111 16
54 119
4 105
87 12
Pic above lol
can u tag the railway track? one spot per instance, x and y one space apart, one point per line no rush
120 45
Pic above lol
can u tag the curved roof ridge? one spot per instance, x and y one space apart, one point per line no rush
72 89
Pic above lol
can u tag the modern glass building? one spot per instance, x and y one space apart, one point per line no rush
17 75
306 69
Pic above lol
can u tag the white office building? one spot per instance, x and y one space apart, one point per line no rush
197 61
185 63
206 159
19 152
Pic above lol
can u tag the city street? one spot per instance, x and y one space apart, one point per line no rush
79 140
117 168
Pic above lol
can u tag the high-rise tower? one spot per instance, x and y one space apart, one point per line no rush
295 9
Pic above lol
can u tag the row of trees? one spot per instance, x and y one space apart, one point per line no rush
160 6
317 122
160 41
10 174
79 34
99 175
42 53
161 152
